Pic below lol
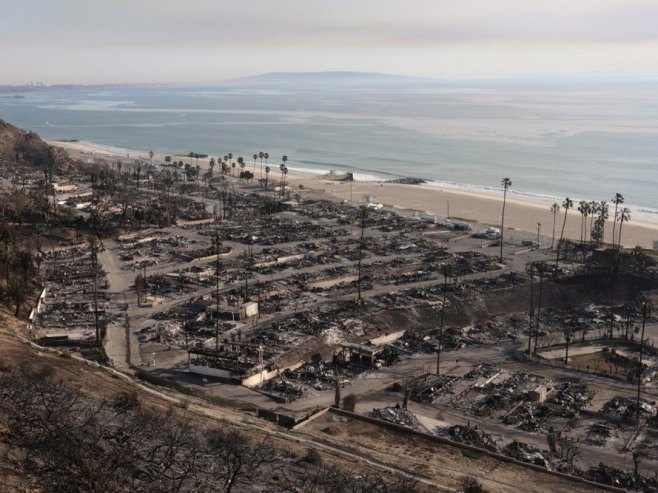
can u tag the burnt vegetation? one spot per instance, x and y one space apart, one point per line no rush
57 439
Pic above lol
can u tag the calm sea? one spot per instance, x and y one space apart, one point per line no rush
585 144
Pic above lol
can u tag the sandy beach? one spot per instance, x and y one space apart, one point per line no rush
484 209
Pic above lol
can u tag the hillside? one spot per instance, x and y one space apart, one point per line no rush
17 145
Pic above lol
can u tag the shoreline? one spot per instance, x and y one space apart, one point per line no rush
432 197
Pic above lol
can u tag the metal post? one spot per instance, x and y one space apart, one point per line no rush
645 311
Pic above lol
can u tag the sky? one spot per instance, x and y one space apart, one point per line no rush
160 41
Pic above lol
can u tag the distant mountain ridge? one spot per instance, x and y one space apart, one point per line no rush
335 79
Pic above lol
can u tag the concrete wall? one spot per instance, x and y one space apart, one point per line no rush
393 336
266 375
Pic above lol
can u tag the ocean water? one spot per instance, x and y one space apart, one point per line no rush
587 144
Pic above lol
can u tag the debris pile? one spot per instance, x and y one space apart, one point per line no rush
483 370
600 434
573 396
625 408
429 388
525 453
398 416
469 436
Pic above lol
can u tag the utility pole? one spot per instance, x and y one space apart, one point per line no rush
446 272
541 285
216 242
645 312
363 225
532 304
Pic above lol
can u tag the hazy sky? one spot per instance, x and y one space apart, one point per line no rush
93 41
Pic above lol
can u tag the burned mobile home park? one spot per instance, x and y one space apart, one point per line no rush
268 292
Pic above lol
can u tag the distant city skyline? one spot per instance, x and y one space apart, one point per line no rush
166 41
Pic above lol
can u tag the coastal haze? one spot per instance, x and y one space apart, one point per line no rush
565 137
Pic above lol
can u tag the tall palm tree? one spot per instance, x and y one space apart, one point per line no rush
261 155
617 200
567 204
241 162
588 212
624 216
506 183
593 210
255 156
267 175
582 209
555 209
604 214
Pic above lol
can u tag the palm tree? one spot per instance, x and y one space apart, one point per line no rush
555 209
506 183
582 208
624 216
285 173
267 175
255 156
95 247
567 204
241 163
617 200
603 217
232 168
593 210
261 155
588 212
